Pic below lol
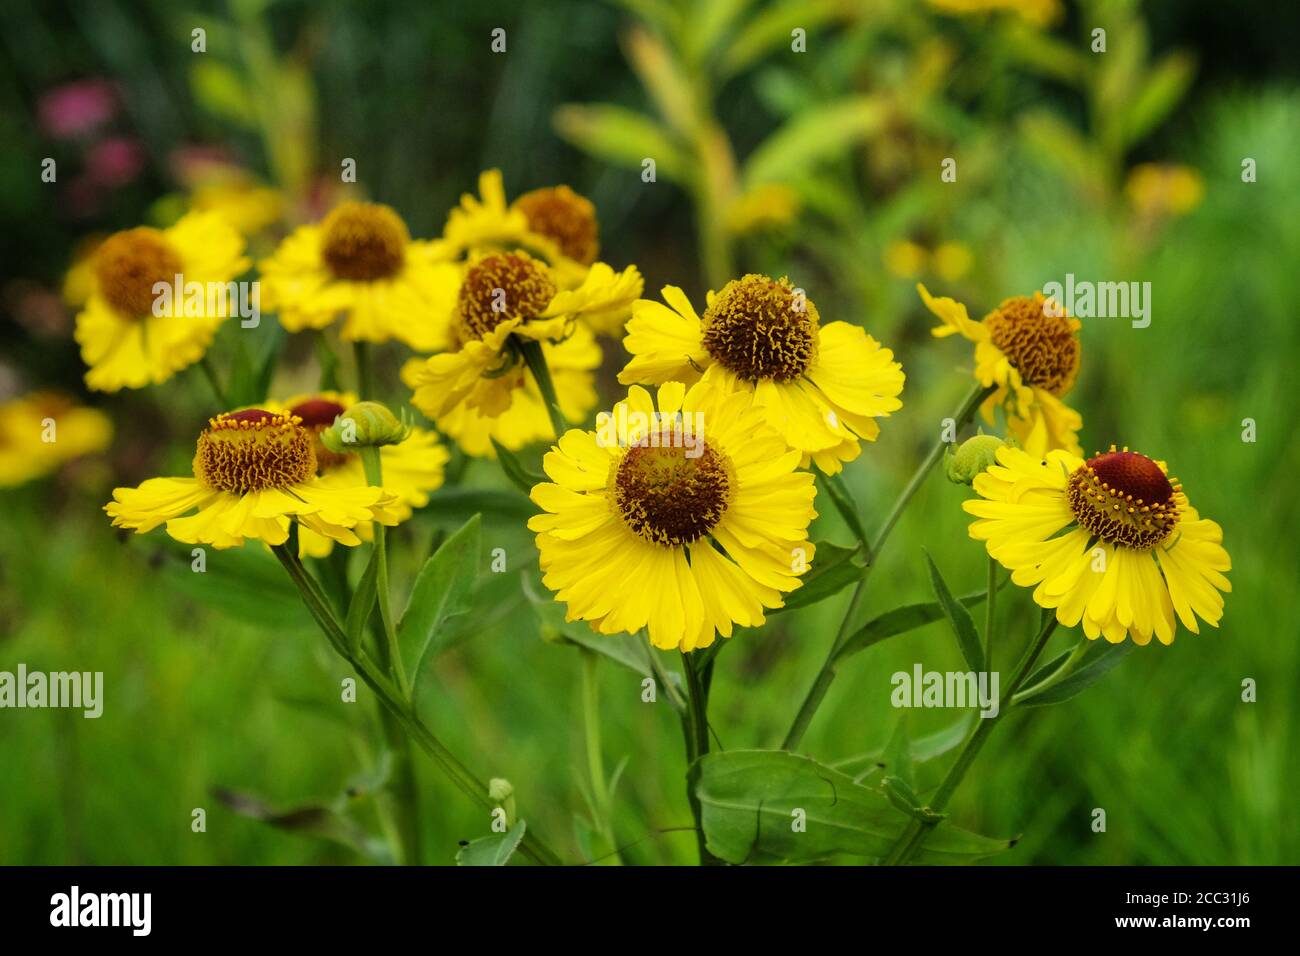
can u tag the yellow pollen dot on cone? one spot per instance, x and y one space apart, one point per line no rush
762 328
1124 499
364 242
566 217
669 498
127 266
497 288
1043 347
254 449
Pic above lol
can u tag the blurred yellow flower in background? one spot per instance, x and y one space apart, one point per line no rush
1040 13
821 387
1156 190
686 520
1031 357
555 224
42 430
1111 542
766 206
950 261
130 338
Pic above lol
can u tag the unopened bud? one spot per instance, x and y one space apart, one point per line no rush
364 425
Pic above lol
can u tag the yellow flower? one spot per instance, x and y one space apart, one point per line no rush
246 204
906 259
555 224
1039 13
1157 190
129 335
361 264
1111 542
765 207
501 300
821 387
1031 355
42 430
411 469
686 522
571 364
253 471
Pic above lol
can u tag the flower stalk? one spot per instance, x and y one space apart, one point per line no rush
535 359
392 699
916 832
822 683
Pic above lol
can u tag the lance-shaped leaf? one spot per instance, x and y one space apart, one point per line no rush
833 569
515 469
1099 658
959 619
898 621
814 135
442 590
764 806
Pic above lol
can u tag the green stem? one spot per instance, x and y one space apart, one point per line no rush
822 683
365 381
990 614
474 788
375 478
535 359
600 797
210 373
697 745
911 839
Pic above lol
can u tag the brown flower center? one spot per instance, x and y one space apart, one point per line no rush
762 329
669 498
254 449
563 215
508 285
318 414
1124 498
127 266
364 242
1043 348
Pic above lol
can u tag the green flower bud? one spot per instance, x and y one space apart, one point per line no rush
974 456
502 793
364 425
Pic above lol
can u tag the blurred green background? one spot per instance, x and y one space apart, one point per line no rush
822 164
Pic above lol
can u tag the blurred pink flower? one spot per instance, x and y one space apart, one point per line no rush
76 108
114 161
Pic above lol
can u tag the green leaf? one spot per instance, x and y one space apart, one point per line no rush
748 800
246 583
813 136
898 621
898 752
464 503
622 137
902 796
768 29
845 505
363 602
492 850
443 589
514 469
313 819
1099 658
963 627
833 569
1163 87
